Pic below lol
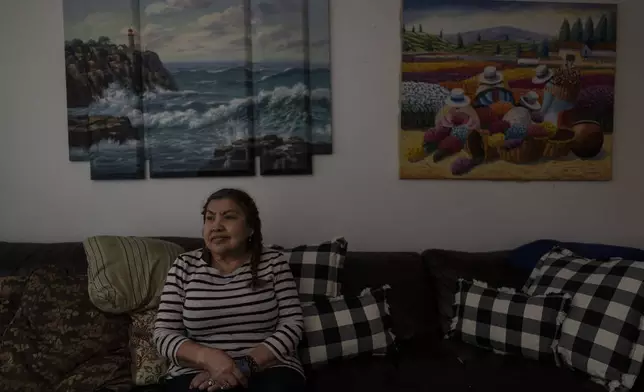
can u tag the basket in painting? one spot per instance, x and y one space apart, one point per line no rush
559 145
478 147
532 149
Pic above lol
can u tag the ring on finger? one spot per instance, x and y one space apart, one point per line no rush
225 385
210 382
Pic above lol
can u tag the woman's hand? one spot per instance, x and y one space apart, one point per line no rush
200 382
221 368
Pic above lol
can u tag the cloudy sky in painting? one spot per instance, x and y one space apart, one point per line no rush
454 16
205 30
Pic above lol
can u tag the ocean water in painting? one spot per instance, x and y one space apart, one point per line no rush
191 86
209 109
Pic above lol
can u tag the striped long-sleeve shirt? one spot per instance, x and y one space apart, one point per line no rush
222 311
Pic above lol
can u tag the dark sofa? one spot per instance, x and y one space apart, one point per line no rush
420 305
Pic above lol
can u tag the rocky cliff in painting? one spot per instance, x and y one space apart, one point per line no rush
91 66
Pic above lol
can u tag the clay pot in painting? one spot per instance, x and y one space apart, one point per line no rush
589 139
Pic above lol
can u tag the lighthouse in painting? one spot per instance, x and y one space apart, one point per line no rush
130 39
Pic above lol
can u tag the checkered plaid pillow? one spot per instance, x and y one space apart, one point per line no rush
601 335
508 322
316 267
346 327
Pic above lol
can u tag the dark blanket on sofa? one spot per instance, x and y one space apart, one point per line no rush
56 340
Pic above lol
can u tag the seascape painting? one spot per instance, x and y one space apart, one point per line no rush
198 88
498 90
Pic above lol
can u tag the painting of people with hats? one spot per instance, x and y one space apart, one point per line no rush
507 90
491 88
489 78
457 104
530 101
543 77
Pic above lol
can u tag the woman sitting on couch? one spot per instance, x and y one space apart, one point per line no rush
230 315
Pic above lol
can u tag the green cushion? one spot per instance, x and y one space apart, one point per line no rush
127 274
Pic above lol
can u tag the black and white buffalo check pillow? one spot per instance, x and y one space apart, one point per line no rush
508 322
602 333
346 327
316 267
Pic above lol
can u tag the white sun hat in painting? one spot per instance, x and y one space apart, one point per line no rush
543 74
490 75
457 98
531 100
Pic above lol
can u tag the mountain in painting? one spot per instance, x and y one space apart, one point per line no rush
499 33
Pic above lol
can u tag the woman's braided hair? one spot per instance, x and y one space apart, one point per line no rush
251 213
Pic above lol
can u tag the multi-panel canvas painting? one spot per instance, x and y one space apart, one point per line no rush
501 90
197 88
104 88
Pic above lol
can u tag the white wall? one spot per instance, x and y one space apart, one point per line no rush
355 192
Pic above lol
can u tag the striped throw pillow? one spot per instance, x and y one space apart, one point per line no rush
126 274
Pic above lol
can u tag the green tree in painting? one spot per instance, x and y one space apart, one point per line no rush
589 30
104 41
564 31
420 28
612 28
534 48
478 38
577 31
601 32
441 34
544 49
413 29
459 41
498 49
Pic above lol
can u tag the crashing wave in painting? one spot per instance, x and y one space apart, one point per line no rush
134 96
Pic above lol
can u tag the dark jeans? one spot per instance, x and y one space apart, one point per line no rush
276 379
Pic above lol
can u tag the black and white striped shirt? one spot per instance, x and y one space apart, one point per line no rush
222 311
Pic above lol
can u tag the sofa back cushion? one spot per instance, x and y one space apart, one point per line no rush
445 267
528 255
19 258
57 332
412 306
